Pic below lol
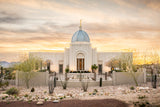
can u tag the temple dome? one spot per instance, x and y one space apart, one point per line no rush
80 36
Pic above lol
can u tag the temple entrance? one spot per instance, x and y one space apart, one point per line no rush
80 62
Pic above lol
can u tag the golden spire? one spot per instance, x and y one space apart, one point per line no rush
80 27
80 22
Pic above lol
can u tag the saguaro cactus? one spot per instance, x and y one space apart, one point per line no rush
51 83
154 81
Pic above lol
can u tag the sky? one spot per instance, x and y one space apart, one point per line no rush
48 25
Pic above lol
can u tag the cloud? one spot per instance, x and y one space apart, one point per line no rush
38 25
6 17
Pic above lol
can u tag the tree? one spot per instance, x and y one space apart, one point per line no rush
130 67
28 67
114 63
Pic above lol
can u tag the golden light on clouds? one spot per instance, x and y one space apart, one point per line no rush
48 25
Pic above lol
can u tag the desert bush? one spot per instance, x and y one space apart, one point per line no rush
26 95
132 88
64 84
12 91
84 85
4 85
32 90
95 90
28 67
141 97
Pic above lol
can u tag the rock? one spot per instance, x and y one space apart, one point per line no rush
39 102
3 95
120 88
81 94
67 96
60 95
142 88
56 101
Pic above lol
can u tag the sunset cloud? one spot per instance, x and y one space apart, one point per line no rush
48 25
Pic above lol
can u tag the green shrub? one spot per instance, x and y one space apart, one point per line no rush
132 88
61 98
12 91
119 70
3 98
95 90
44 70
45 99
26 95
6 83
32 90
3 85
141 97
67 69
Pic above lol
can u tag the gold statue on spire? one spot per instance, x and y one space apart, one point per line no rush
80 22
80 27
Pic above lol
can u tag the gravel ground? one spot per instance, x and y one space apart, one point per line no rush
143 93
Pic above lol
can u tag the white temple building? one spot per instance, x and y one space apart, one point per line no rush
79 56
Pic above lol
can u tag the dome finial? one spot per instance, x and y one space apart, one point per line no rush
80 27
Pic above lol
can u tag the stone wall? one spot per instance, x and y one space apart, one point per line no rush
11 82
38 79
120 78
90 83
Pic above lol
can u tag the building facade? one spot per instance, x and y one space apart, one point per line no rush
80 56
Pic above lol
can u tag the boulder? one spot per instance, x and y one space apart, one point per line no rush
55 101
40 103
3 95
40 100
60 95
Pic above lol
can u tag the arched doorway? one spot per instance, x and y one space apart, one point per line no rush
80 61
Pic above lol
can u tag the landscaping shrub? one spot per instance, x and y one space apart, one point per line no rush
6 83
43 70
32 90
3 85
12 91
26 95
95 90
141 97
132 88
64 84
